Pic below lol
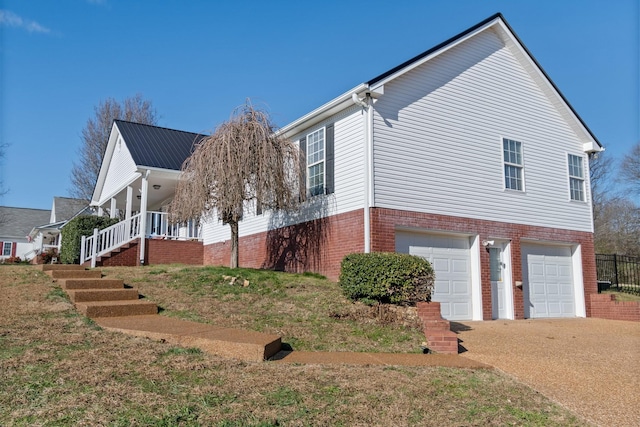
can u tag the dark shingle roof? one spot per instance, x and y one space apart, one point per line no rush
157 147
18 222
65 207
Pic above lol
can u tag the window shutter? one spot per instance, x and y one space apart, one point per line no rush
13 248
258 207
329 158
303 168
1 248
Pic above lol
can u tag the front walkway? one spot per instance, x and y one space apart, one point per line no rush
591 366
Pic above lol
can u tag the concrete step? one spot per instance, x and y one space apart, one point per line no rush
50 267
69 284
75 274
138 307
225 342
85 295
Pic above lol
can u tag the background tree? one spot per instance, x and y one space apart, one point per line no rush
630 169
95 137
243 163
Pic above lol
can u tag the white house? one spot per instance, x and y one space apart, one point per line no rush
15 225
467 154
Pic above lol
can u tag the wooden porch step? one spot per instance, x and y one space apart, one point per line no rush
86 295
117 308
75 274
69 284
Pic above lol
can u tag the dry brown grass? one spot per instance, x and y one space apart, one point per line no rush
58 369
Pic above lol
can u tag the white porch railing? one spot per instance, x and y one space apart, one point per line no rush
108 239
158 226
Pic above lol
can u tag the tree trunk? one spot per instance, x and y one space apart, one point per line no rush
234 244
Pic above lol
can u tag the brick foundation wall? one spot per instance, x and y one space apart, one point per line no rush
605 306
316 246
173 251
385 221
127 257
157 252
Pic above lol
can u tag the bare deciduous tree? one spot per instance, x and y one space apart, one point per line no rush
617 227
243 163
95 137
630 169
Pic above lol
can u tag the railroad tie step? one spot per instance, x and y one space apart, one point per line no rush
86 295
138 307
50 267
69 284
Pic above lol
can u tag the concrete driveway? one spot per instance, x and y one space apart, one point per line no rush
591 366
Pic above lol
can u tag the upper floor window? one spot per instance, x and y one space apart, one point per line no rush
576 178
6 249
316 162
513 165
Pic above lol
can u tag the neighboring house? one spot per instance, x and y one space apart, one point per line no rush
47 235
467 154
15 225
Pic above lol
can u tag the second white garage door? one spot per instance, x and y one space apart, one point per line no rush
450 258
548 277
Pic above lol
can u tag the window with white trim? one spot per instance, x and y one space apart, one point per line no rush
576 178
6 249
513 165
316 162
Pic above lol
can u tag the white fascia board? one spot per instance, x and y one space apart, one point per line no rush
159 172
106 161
327 110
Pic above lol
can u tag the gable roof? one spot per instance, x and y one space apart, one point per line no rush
497 22
18 222
157 147
65 208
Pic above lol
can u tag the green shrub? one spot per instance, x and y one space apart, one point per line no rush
386 278
73 231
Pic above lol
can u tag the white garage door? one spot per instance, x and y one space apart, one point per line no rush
548 279
450 258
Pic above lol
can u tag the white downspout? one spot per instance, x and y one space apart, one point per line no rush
367 104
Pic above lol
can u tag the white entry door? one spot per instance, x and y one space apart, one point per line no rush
498 287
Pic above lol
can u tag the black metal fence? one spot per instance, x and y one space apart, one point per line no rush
618 272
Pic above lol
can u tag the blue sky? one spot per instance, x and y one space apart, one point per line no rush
198 60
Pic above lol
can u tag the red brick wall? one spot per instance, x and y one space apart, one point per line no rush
605 306
317 246
385 221
173 251
157 252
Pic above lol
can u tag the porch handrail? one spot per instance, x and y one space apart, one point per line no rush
108 239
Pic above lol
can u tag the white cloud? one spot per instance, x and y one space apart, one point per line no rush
10 19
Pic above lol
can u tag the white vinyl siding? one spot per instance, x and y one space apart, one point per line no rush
122 170
348 182
437 131
576 178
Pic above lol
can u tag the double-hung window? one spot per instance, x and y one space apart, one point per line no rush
6 249
513 165
576 178
316 162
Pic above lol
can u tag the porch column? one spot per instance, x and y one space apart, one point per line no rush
112 209
100 211
143 214
129 201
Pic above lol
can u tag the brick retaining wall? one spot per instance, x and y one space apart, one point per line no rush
605 306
